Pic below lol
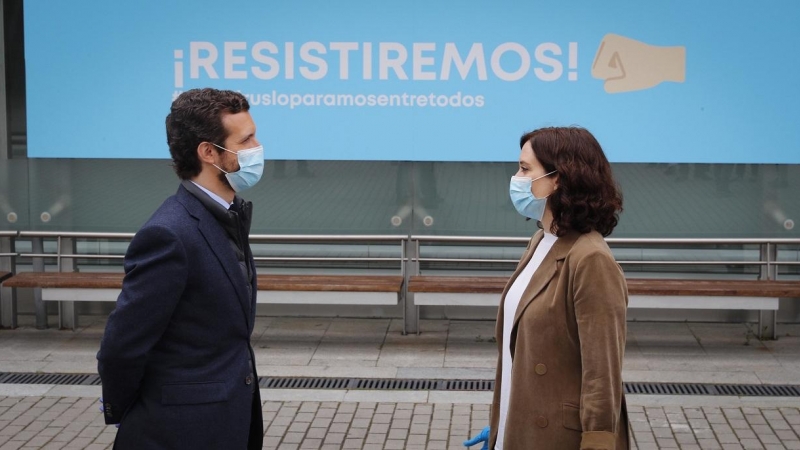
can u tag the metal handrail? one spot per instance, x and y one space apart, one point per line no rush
257 258
321 259
329 237
764 243
483 239
74 234
665 241
387 238
70 256
417 239
632 263
58 255
705 241
643 262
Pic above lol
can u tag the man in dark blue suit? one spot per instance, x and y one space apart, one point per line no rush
176 362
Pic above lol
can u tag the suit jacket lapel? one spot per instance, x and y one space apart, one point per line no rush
526 257
537 237
220 246
545 272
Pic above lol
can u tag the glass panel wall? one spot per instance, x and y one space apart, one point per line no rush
376 197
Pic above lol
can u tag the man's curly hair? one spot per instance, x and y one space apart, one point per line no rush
587 197
195 117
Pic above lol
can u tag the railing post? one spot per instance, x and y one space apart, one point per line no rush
767 319
67 311
37 246
8 296
410 267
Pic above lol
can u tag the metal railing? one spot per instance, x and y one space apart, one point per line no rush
65 255
767 261
7 234
61 237
767 248
254 239
766 245
268 238
8 303
408 258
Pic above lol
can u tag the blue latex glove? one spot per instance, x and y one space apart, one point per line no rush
103 408
483 436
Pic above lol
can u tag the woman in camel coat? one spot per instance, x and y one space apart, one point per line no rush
561 323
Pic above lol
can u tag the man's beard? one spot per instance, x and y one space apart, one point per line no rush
222 174
224 180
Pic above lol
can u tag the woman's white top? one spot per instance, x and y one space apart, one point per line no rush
509 311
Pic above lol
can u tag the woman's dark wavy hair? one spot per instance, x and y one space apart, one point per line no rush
195 117
587 197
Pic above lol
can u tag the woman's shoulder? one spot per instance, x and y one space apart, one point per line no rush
591 245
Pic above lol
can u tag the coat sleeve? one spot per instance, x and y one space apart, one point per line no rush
155 277
600 299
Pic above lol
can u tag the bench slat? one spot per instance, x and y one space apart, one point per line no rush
459 285
66 280
424 284
5 275
636 286
337 283
727 288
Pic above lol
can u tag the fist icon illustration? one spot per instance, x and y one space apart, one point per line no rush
629 65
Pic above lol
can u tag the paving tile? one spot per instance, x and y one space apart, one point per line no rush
65 416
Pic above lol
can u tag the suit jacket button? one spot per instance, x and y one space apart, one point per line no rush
248 380
540 369
541 422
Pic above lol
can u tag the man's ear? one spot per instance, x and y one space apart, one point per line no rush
205 152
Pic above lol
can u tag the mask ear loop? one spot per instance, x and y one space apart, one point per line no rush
221 148
555 188
548 195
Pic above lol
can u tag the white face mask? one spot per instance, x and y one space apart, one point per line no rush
251 167
527 204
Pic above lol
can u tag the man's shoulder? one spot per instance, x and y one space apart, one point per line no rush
172 214
171 207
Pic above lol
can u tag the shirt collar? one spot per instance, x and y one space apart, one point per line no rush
214 196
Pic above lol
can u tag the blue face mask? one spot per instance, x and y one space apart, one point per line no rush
522 197
251 167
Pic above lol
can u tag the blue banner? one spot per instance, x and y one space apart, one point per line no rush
447 80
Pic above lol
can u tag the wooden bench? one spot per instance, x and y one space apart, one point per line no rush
4 276
272 289
755 295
